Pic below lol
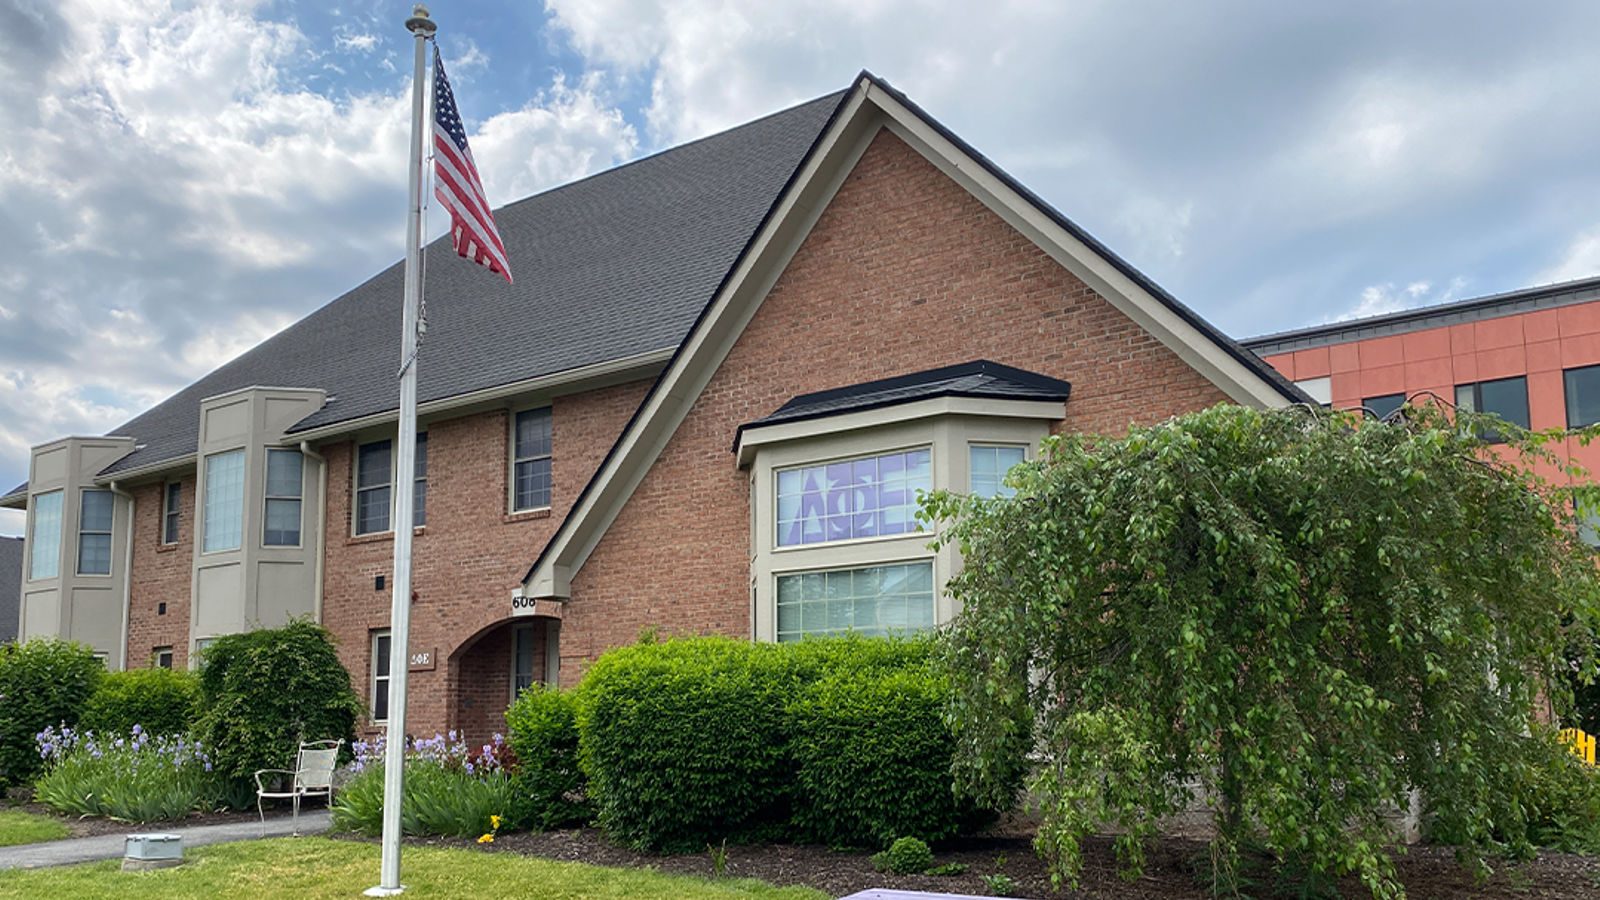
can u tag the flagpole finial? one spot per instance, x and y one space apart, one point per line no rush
419 21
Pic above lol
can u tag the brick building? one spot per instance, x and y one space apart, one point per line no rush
1530 356
706 405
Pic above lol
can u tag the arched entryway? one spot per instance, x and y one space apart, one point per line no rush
491 667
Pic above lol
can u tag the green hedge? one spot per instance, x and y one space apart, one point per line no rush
872 757
693 741
262 692
549 786
44 683
159 701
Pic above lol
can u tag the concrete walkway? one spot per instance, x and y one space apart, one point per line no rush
111 846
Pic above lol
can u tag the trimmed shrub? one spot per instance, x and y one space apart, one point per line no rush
685 742
549 785
906 856
872 759
841 740
132 775
43 683
158 701
262 692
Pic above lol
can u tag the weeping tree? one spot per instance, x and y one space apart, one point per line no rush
1297 615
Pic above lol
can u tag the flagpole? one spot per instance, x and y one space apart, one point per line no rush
405 449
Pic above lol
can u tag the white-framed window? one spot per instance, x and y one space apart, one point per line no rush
224 507
44 538
281 518
530 460
987 465
171 503
162 657
96 509
198 657
375 485
864 497
379 688
523 653
870 600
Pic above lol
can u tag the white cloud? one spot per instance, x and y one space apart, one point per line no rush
562 134
359 41
1580 260
1378 299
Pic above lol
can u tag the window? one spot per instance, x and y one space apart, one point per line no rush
281 527
373 464
1583 396
1318 389
873 601
530 460
169 513
374 467
988 468
162 657
1504 397
875 496
1384 406
44 543
95 510
419 483
380 675
197 659
522 659
224 509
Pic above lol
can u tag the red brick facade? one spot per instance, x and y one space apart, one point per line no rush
161 576
905 271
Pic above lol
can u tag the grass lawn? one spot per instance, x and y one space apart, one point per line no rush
18 827
318 867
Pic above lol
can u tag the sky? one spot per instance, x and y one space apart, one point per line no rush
180 180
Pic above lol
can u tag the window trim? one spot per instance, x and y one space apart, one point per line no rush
110 535
299 499
205 509
155 657
171 512
373 678
33 533
1027 456
356 489
511 469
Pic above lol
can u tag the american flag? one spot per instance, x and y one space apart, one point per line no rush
456 182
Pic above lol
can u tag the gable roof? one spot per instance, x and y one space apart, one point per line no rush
980 378
610 267
870 105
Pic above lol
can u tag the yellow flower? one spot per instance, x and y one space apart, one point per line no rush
486 839
495 822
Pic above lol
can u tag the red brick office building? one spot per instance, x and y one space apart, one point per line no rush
1531 356
705 406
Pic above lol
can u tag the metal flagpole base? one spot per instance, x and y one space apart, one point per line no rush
381 891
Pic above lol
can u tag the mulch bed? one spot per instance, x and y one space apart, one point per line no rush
1427 872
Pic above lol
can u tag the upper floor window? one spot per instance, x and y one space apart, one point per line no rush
530 460
1583 396
1384 406
988 466
95 512
172 500
374 485
875 496
285 471
224 507
44 541
1504 397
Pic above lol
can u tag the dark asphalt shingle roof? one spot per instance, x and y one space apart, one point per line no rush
10 586
618 264
980 378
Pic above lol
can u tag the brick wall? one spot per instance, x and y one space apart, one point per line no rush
468 558
904 271
160 574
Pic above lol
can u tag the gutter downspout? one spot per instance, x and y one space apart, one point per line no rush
127 577
322 525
